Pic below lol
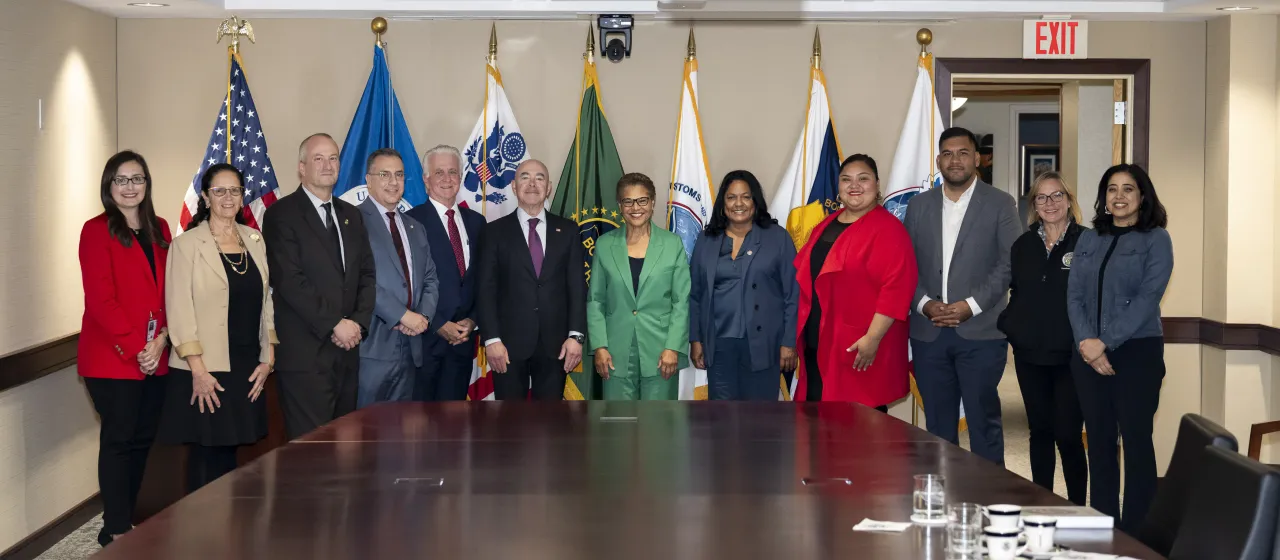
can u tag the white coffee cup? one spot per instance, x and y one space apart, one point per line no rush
1004 516
1040 530
1002 544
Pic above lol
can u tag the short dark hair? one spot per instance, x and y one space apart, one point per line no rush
957 132
391 152
1151 213
637 179
720 220
206 181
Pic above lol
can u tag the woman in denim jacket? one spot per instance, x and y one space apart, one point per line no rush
1120 270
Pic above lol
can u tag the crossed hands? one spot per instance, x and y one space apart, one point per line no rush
456 333
149 357
1094 352
412 324
346 335
948 315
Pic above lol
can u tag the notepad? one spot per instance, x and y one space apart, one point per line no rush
1073 517
881 526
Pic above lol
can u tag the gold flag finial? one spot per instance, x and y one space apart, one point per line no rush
493 46
235 28
693 49
379 26
817 50
924 37
590 55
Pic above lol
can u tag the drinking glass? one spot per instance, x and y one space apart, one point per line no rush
964 529
929 499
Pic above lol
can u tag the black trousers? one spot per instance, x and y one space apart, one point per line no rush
310 399
206 464
1055 418
130 413
813 379
445 376
546 374
1127 400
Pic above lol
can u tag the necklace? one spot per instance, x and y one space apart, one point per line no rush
240 267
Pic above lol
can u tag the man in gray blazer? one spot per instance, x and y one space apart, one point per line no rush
962 234
407 288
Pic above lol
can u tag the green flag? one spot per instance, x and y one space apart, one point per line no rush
587 194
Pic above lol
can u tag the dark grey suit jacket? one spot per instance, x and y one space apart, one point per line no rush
384 342
979 264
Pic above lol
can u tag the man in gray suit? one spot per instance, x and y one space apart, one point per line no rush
962 234
407 288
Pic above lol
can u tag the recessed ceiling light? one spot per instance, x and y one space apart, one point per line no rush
1237 8
148 5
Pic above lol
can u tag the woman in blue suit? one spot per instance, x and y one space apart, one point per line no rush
742 304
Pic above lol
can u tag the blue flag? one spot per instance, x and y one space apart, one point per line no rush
378 124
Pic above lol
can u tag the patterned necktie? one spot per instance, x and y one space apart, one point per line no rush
455 239
535 246
332 225
404 262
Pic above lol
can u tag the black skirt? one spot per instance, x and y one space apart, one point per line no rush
236 422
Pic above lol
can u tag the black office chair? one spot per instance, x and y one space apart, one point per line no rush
1164 518
1233 511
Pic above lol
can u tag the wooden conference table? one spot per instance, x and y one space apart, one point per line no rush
588 480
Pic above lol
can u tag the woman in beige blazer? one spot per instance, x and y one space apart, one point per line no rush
221 328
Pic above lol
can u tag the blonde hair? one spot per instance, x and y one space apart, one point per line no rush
1066 189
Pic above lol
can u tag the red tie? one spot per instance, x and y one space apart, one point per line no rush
404 263
455 239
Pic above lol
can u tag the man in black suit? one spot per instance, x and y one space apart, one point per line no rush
453 232
322 284
531 293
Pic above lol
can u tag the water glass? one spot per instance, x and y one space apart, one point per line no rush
964 528
929 499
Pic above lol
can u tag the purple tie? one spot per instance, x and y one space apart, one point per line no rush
535 246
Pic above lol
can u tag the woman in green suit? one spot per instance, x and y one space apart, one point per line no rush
638 304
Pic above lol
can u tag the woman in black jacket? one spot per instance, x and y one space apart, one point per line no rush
1037 327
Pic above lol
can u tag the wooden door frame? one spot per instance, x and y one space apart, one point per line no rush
1139 69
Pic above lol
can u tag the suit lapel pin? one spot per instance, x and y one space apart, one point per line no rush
748 253
253 236
557 230
346 222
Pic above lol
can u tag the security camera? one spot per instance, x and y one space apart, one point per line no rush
615 36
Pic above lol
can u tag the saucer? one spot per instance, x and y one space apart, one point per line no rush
1057 549
925 521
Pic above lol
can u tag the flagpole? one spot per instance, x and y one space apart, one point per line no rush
232 27
924 37
690 56
590 57
483 152
379 26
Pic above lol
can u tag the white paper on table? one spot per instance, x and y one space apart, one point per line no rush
881 526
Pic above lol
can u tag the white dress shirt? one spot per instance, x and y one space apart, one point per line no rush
523 218
404 235
315 201
462 229
952 218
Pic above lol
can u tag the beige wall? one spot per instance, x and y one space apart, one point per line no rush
50 176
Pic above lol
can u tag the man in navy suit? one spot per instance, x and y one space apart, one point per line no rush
404 309
454 235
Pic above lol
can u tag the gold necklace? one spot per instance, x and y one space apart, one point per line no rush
240 267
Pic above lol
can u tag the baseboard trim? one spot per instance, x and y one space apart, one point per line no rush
53 532
25 366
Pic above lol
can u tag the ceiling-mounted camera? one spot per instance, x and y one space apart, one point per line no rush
615 36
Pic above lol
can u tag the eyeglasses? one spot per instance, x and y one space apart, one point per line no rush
219 192
384 175
121 180
1056 196
641 202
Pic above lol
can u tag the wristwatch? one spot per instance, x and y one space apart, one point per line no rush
579 338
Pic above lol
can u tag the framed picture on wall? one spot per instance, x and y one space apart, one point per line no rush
986 156
1037 159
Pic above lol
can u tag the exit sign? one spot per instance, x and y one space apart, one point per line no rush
1047 38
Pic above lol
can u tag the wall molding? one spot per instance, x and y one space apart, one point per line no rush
53 532
25 366
1226 336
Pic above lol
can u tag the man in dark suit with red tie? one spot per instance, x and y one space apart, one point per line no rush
323 285
453 232
532 294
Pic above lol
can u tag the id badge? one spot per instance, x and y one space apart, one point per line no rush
151 328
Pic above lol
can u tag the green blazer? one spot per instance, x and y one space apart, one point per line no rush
658 317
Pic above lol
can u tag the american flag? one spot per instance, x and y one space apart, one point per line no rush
237 139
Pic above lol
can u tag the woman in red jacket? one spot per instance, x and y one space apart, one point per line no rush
857 274
123 334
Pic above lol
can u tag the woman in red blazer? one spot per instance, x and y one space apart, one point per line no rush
857 274
123 334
